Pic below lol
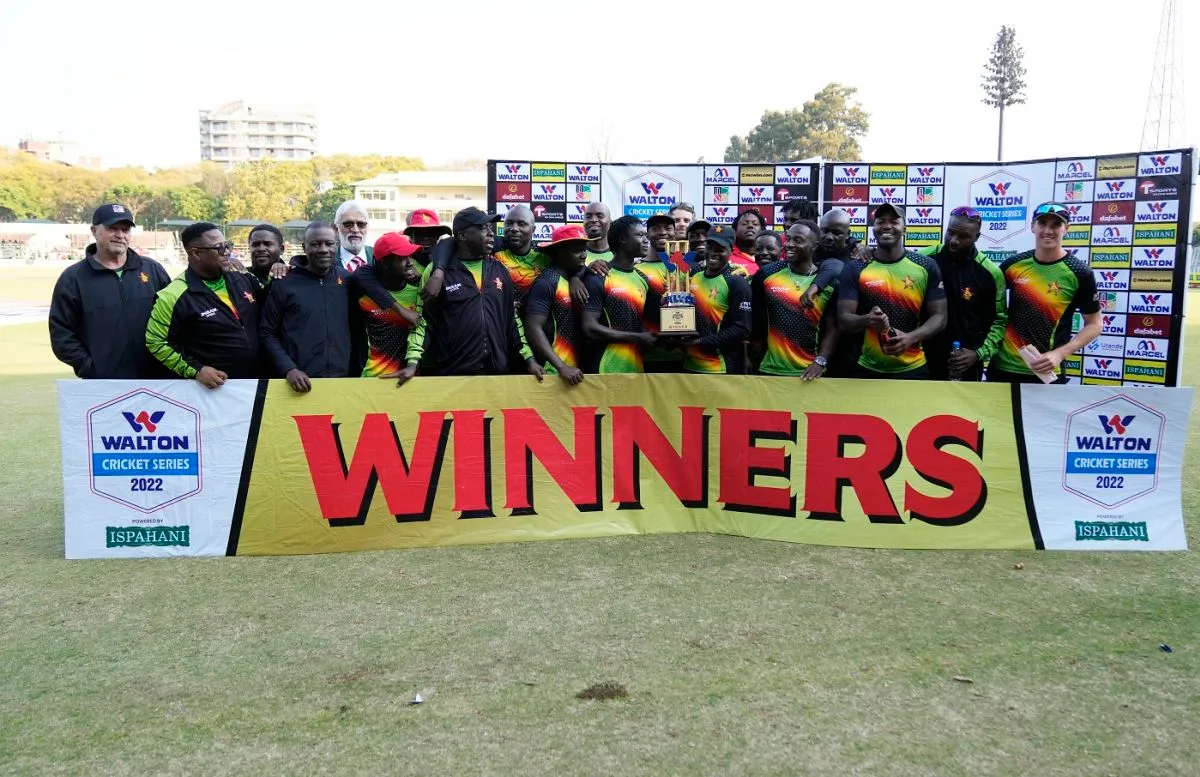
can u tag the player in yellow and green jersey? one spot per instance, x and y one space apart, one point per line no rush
387 296
722 311
897 297
1046 286
524 262
793 336
657 266
551 316
618 304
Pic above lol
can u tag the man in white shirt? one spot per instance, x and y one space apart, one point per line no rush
351 223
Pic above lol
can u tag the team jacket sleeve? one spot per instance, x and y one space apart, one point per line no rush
829 273
65 321
735 325
416 340
995 334
1085 294
270 332
158 336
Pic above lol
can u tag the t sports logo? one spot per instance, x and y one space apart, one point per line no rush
849 176
143 420
1112 451
583 173
1123 189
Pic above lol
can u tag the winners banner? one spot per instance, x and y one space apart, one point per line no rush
1130 220
170 468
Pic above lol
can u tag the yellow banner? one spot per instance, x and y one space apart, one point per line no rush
363 465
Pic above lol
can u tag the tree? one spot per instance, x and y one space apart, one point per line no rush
1004 78
828 126
135 196
322 206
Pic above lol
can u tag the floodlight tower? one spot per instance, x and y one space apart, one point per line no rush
1165 115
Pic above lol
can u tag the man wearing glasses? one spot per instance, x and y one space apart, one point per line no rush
101 304
204 324
976 311
351 221
1046 286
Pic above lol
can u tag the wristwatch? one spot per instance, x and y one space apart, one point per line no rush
821 361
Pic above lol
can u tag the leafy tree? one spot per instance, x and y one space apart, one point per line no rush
828 126
269 191
1004 78
135 196
322 206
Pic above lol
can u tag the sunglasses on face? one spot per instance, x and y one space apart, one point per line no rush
963 212
353 224
220 248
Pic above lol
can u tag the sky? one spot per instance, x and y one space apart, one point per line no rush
651 81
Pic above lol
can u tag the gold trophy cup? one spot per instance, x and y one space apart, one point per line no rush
677 313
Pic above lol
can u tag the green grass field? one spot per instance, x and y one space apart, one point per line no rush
739 656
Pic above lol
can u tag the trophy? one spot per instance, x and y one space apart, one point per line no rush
677 313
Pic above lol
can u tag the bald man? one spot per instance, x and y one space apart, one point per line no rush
596 220
836 249
524 262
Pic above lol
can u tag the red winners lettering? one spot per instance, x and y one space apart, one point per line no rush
527 436
473 464
964 481
636 433
830 470
742 461
344 493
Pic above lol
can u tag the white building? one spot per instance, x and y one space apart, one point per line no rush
239 132
392 196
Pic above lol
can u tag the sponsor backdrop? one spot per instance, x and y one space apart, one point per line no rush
169 468
1130 219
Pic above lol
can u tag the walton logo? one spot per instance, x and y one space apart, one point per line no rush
756 191
144 420
513 169
1114 186
549 188
1159 165
1108 321
1159 161
1074 210
1000 188
721 212
924 212
1109 276
1156 207
1116 423
1104 364
582 170
793 172
1150 299
850 172
1152 253
652 187
925 171
851 212
888 191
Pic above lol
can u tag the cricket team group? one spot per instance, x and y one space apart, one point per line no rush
441 300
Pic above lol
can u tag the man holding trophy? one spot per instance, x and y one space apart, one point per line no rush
717 304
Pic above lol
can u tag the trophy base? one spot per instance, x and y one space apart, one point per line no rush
677 320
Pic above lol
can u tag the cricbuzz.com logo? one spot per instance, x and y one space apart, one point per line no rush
144 451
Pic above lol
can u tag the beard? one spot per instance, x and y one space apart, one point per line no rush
345 241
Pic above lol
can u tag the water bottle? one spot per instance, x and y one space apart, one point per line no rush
955 374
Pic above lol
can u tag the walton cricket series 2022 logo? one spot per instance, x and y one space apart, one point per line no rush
650 193
1002 200
1112 451
144 451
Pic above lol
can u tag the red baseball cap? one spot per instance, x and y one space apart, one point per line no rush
565 234
394 244
423 218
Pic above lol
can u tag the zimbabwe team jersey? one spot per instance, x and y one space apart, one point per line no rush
792 333
219 288
550 296
523 269
1042 300
723 323
656 271
387 331
900 289
624 299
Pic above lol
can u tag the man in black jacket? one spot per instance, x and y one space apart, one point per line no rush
205 322
470 326
305 331
976 307
101 304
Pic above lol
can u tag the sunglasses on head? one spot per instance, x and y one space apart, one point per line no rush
1051 209
963 212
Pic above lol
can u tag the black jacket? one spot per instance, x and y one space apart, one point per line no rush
976 310
467 330
306 324
191 327
98 320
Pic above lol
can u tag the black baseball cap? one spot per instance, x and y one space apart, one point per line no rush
660 218
472 217
698 224
898 210
1052 210
111 214
720 234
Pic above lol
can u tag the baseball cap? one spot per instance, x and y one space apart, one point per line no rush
660 218
898 210
424 218
698 224
394 244
721 235
1059 212
566 234
471 217
111 214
